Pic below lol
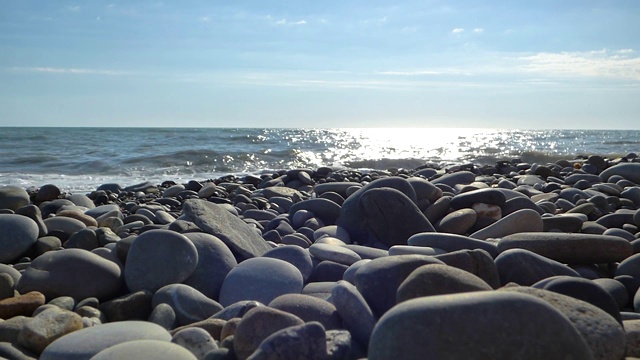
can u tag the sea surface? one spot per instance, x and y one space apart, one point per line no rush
80 159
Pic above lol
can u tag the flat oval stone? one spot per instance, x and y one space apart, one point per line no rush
327 210
379 279
435 279
524 267
334 253
158 258
524 220
262 279
64 224
570 248
451 242
309 308
71 272
145 349
17 235
356 314
85 343
215 260
453 179
457 222
487 196
499 315
629 171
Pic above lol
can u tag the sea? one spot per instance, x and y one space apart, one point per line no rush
81 159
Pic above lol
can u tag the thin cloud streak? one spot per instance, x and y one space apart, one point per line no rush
73 71
585 64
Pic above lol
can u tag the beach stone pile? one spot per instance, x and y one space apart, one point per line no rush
509 261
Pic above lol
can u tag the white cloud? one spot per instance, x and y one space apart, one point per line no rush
283 21
586 64
73 8
204 19
457 30
478 30
74 71
626 51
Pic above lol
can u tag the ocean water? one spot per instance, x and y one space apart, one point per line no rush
80 159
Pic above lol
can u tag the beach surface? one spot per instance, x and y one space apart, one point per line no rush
511 259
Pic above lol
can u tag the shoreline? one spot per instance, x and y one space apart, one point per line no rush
342 263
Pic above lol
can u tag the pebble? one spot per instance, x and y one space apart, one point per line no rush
496 329
71 272
570 248
435 279
309 308
158 258
215 261
519 221
458 221
85 343
47 327
261 279
188 304
214 219
334 253
524 267
378 280
17 234
451 242
477 262
294 255
196 340
258 324
13 197
307 341
392 217
145 349
21 305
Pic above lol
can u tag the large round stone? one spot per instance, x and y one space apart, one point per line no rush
215 260
481 325
72 272
17 234
85 343
13 197
262 279
145 349
158 258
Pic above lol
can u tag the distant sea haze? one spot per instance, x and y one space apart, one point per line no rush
80 159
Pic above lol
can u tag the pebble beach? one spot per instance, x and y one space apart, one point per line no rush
511 260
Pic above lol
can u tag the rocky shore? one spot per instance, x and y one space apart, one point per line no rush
511 261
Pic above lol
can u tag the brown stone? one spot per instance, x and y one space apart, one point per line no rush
21 305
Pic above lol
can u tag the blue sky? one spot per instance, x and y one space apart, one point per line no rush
515 64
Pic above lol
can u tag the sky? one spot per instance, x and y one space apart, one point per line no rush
568 64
